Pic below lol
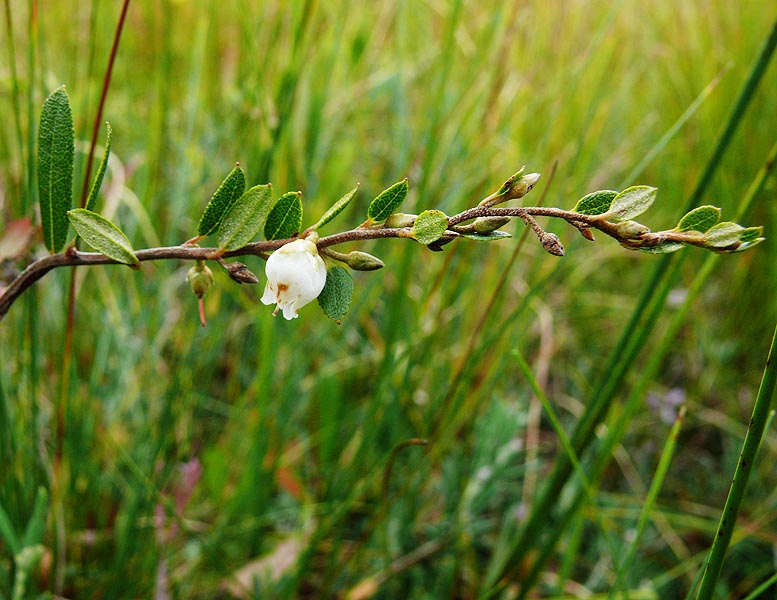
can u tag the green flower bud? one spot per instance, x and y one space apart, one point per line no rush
200 278
361 261
400 220
489 224
631 229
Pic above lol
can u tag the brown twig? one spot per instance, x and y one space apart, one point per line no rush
635 241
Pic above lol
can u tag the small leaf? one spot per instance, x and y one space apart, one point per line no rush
103 236
511 181
595 203
747 245
385 203
98 179
723 234
335 298
56 154
222 200
33 533
245 218
285 218
632 202
750 234
699 219
429 226
487 237
662 248
335 209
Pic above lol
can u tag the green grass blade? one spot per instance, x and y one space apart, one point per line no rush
655 487
744 467
629 344
567 446
8 533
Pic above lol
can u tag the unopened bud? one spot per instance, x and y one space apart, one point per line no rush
552 244
200 278
361 261
516 187
241 273
631 229
524 185
400 220
489 224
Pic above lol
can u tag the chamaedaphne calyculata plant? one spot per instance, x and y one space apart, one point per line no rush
301 264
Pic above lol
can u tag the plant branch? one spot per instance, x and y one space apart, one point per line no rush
635 238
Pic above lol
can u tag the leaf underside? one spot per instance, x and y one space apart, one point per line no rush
103 236
335 298
245 219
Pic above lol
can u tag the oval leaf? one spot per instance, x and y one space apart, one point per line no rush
103 236
336 209
225 196
335 298
98 179
632 202
56 154
487 237
285 218
723 234
663 248
751 234
245 218
595 203
429 226
507 185
699 219
385 203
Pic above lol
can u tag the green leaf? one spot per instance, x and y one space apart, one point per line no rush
56 154
98 179
429 226
8 533
103 236
723 234
245 218
632 202
747 245
33 533
699 219
285 218
385 203
595 203
750 234
336 209
663 248
222 200
335 298
487 237
511 181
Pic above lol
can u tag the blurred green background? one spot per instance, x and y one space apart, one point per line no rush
188 462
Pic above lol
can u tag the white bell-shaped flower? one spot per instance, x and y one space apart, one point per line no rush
296 274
